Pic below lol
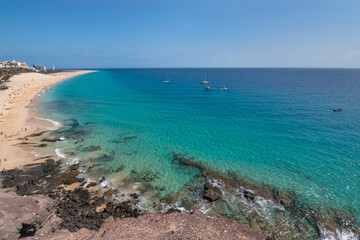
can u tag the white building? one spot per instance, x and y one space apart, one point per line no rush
13 64
41 68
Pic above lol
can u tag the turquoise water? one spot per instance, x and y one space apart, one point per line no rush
272 125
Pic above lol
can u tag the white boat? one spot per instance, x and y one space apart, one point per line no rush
208 88
224 88
166 80
205 81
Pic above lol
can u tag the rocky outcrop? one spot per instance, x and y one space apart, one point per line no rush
51 139
212 193
164 226
22 216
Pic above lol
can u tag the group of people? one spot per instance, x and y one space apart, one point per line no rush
10 176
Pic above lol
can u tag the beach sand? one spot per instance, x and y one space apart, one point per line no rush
18 119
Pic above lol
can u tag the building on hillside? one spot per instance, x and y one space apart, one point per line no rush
40 68
13 64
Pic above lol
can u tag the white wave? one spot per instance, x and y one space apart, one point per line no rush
82 169
216 183
56 124
268 204
59 153
167 207
72 161
338 235
62 138
204 208
105 183
144 204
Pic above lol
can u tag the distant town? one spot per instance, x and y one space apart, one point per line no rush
23 65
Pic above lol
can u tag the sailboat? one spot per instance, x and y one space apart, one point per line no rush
166 80
205 81
224 88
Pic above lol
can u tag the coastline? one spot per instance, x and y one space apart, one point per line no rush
22 129
210 188
19 120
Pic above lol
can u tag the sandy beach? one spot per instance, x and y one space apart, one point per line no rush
17 118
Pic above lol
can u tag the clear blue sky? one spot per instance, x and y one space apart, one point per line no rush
166 33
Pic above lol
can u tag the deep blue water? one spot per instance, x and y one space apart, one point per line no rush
272 125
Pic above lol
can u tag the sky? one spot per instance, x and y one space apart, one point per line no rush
186 33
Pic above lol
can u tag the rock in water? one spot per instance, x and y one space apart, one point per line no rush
212 193
92 148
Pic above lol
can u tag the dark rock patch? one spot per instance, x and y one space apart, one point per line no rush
35 134
88 123
106 157
125 139
70 154
40 145
92 148
92 184
73 123
102 179
122 167
212 193
51 140
160 188
77 208
249 195
27 230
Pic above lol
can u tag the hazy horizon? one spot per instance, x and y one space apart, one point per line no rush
169 34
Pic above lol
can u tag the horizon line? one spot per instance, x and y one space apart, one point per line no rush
110 68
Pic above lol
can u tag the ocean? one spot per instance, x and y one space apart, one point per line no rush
271 127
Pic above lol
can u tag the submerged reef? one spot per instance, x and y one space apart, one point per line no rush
277 213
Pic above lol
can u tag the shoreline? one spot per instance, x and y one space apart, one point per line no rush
209 186
22 129
18 118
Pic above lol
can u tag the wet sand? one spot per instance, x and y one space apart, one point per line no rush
16 118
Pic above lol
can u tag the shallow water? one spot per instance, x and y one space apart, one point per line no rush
272 125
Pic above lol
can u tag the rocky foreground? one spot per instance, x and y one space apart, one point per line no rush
35 204
163 226
33 217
